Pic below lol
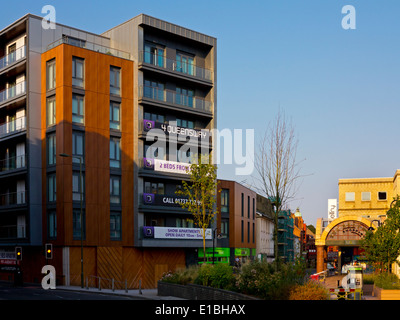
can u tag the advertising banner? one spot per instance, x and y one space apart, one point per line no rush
176 233
332 209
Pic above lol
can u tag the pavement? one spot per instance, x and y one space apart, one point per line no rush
145 294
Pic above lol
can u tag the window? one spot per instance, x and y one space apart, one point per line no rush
154 152
254 232
115 81
225 200
51 188
248 206
51 111
242 205
115 190
185 123
224 228
254 209
115 118
78 146
248 232
154 117
350 196
154 55
154 187
154 90
78 71
242 231
78 109
78 226
382 195
115 225
365 196
51 149
115 153
184 97
51 224
78 185
184 223
185 63
51 74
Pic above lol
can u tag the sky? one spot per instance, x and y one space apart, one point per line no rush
339 87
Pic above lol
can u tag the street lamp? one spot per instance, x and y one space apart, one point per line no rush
219 235
81 200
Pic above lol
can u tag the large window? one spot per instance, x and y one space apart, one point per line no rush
154 90
115 115
51 188
78 146
185 63
115 80
78 109
154 187
154 55
51 111
78 186
77 226
51 224
115 153
115 225
51 149
184 97
51 74
78 72
115 189
225 200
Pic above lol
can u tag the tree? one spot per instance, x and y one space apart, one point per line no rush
201 193
277 169
382 247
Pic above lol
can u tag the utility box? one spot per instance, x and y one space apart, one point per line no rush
355 280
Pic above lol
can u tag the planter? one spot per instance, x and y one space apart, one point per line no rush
197 292
385 294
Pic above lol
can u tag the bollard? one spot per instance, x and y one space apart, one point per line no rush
99 284
126 286
112 284
140 286
87 283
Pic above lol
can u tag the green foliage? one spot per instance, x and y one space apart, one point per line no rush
217 276
382 247
387 281
311 290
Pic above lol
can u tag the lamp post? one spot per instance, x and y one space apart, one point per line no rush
81 201
214 236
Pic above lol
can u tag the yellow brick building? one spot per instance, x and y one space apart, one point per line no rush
363 203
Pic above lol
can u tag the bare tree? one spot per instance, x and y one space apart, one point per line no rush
276 167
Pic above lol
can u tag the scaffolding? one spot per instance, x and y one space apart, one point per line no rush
285 236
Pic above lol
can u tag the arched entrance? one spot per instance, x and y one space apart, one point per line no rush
344 235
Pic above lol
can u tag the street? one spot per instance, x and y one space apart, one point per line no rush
35 292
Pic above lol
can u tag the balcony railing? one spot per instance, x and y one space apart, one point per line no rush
12 232
173 97
187 68
12 92
12 57
12 126
13 198
13 163
90 46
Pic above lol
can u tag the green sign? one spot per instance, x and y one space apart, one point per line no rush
218 252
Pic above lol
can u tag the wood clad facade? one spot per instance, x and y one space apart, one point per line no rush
103 257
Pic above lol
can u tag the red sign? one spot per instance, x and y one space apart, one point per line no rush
8 262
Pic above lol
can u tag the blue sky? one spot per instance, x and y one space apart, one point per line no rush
340 87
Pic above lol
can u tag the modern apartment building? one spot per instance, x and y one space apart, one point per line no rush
76 109
236 222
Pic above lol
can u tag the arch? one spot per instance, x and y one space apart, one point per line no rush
337 221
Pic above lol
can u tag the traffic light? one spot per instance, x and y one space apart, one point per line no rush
18 253
49 250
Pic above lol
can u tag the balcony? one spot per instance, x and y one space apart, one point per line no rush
13 163
186 69
10 232
12 58
13 199
175 99
90 46
13 92
11 127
